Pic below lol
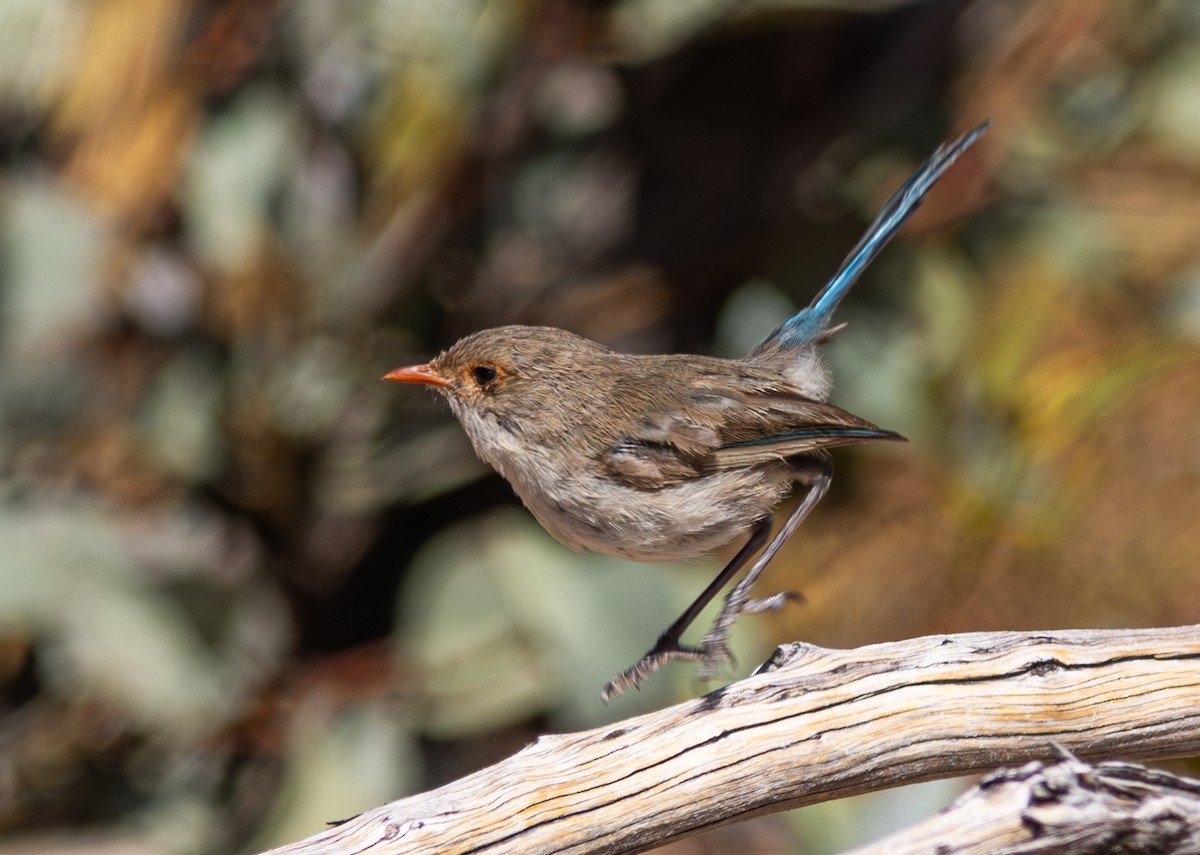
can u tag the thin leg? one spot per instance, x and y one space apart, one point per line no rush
668 646
738 600
813 471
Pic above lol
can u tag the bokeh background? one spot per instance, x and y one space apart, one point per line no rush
246 588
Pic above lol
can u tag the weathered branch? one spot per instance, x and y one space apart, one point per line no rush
1067 807
811 725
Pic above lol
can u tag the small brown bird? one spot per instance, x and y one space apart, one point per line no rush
663 458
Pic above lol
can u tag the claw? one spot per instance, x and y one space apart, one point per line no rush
712 654
716 655
664 651
773 603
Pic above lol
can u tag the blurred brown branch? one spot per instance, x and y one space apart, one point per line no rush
811 725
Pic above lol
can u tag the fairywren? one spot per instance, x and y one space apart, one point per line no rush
664 458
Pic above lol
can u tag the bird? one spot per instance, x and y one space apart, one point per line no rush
670 457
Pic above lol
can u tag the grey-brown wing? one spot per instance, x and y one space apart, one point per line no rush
713 428
781 427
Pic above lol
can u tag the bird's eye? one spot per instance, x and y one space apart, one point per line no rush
483 375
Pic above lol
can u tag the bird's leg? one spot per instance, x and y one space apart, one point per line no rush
816 472
668 646
813 471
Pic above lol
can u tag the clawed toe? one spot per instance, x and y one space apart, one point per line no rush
772 603
716 656
713 652
663 652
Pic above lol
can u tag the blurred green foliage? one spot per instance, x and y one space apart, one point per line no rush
246 589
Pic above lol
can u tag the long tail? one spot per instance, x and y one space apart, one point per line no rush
807 325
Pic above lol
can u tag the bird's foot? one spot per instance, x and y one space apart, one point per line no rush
712 653
711 657
716 656
715 644
665 650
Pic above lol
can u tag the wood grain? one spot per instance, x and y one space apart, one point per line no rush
811 725
1067 807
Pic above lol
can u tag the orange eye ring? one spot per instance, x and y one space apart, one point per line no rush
484 375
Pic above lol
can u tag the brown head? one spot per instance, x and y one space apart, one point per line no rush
516 379
493 365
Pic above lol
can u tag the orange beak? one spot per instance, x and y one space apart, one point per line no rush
416 374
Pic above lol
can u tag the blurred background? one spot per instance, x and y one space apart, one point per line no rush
246 588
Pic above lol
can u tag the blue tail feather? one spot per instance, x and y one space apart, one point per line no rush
806 326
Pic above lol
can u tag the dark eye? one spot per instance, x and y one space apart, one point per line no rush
483 375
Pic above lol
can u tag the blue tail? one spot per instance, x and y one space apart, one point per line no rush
806 326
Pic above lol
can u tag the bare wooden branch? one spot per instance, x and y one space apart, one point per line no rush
811 725
1068 807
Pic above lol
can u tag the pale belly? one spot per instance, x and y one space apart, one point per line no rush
585 508
673 523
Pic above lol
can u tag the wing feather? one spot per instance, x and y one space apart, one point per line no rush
728 426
